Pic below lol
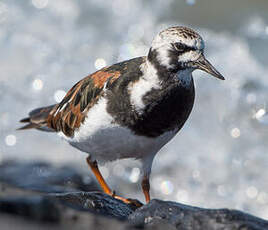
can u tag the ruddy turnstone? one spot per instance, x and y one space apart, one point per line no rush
130 109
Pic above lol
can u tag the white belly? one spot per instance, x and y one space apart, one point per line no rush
106 141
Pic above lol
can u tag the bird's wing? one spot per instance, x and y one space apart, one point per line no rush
71 111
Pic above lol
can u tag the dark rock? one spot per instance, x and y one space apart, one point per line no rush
33 207
96 202
43 177
63 212
186 217
84 206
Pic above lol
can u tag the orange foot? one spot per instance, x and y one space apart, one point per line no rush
132 202
95 169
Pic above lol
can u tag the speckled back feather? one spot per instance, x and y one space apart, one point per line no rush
71 111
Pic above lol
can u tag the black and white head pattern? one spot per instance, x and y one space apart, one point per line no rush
177 46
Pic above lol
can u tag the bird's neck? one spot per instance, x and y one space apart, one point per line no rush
161 101
184 78
160 60
161 67
155 83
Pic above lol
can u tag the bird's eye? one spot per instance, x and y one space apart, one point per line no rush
182 47
179 47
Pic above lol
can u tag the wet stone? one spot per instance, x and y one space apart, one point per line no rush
96 202
96 210
186 217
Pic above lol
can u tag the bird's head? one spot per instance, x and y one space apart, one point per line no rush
180 48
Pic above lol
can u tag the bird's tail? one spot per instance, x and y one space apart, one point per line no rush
38 119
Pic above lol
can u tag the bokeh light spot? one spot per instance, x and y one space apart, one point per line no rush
134 176
10 140
260 113
167 187
37 84
100 63
190 2
235 132
252 192
59 95
40 4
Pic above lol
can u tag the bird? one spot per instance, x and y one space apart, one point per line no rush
130 109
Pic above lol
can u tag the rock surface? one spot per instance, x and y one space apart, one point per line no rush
25 208
186 217
96 202
42 177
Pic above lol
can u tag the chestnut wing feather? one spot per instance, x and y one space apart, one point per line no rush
70 113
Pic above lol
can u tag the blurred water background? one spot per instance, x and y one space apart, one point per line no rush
220 157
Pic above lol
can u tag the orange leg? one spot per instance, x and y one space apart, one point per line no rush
95 169
145 184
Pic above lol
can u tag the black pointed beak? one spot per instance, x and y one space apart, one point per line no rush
203 64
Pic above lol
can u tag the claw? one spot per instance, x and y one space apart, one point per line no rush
135 202
132 202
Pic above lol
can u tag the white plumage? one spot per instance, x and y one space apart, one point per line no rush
145 84
105 141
